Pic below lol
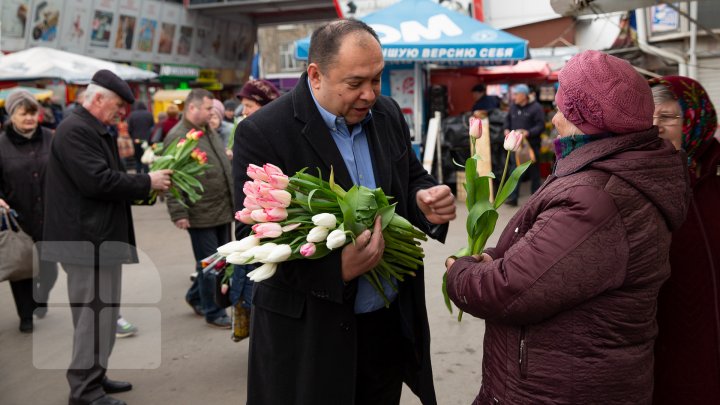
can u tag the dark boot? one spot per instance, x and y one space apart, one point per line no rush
241 322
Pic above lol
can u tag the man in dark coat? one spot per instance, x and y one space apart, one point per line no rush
88 228
527 117
140 126
319 333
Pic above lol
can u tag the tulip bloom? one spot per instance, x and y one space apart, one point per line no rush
257 173
513 140
317 234
336 239
271 169
327 220
241 257
263 272
269 215
279 181
278 254
267 230
244 216
241 245
308 249
250 203
475 127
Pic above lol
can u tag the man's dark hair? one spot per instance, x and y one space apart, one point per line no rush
325 41
197 95
480 88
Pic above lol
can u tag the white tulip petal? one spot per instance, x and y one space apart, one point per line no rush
263 272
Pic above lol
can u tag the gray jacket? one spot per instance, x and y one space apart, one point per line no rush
216 205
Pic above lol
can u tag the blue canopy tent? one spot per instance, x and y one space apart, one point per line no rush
424 31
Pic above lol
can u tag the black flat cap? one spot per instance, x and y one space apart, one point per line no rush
109 80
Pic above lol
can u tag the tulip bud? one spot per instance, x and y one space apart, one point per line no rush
224 289
267 230
259 215
251 203
244 216
336 239
327 220
281 196
279 181
308 249
263 272
513 140
257 173
317 234
279 254
241 245
241 257
260 253
271 169
475 127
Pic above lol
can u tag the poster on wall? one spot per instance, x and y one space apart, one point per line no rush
147 30
168 31
402 90
240 45
14 15
74 28
104 20
203 38
217 42
128 12
45 22
186 29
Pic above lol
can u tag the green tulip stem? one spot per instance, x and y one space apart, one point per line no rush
502 179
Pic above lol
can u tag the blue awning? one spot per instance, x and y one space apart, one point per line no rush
423 31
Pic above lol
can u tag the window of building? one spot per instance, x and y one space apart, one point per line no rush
287 57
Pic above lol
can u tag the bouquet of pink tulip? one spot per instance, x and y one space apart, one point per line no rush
482 210
186 161
305 217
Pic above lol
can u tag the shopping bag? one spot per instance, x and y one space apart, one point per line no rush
525 153
16 249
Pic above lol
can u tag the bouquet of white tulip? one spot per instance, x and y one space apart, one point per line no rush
305 217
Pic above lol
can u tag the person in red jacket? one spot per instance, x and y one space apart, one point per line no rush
570 291
687 351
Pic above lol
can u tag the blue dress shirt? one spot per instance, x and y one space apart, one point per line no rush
353 146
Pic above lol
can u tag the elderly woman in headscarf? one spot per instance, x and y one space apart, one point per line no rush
570 291
24 149
687 352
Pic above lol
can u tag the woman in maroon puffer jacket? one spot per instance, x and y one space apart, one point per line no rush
569 293
687 351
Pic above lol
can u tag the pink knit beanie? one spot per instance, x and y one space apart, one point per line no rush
601 93
218 108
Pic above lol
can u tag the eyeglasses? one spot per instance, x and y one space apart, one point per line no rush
665 119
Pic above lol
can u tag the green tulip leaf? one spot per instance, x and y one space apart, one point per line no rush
511 183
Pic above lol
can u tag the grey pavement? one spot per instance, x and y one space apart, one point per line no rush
177 359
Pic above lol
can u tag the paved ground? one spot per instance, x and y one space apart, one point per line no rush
176 358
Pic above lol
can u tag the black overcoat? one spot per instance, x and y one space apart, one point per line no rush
303 341
22 176
89 196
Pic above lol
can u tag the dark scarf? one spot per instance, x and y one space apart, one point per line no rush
566 144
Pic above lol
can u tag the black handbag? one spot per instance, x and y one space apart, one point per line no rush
16 249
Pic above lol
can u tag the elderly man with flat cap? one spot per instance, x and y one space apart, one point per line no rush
88 228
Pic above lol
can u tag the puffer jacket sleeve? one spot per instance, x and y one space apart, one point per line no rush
574 250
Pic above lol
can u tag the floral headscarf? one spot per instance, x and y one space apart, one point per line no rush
698 114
